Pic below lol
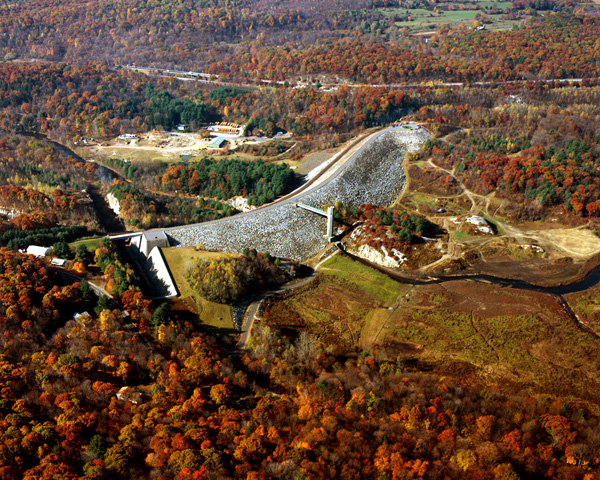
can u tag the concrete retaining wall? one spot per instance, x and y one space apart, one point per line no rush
160 269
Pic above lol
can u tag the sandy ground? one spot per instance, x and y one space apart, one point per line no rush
507 253
579 242
152 145
163 145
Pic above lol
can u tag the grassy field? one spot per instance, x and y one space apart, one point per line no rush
290 163
179 260
416 199
428 204
422 20
586 306
514 339
346 304
509 336
370 281
90 243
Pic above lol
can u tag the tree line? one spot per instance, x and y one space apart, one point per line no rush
261 182
305 411
146 210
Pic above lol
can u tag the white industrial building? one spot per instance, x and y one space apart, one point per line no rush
37 251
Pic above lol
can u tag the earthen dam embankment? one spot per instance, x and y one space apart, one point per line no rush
374 174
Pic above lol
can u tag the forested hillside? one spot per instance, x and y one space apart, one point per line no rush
246 40
227 178
283 411
352 374
524 149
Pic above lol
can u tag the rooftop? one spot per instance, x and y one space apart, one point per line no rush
217 143
155 235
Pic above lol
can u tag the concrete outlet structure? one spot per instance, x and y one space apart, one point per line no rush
329 214
148 240
330 211
146 254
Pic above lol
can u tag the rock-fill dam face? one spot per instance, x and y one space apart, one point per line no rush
373 175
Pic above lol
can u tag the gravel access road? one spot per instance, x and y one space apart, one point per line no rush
373 174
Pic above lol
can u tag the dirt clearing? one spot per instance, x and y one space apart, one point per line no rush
154 146
578 242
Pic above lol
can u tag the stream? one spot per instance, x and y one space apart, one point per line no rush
109 220
590 280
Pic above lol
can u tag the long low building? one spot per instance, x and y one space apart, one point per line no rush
217 143
37 251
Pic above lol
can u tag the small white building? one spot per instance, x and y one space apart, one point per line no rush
82 317
181 127
59 262
37 251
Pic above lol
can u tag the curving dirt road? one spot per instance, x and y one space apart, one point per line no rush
577 242
253 308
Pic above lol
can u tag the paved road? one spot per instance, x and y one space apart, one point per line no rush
300 193
99 291
208 78
253 308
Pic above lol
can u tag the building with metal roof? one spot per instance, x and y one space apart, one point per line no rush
217 143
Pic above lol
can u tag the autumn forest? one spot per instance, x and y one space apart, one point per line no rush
355 368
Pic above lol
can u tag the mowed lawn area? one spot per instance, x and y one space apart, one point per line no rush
419 19
90 243
179 260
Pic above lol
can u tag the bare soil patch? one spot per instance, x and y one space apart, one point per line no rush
165 146
579 242
312 161
153 145
543 253
538 271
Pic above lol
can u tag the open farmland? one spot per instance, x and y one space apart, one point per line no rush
420 20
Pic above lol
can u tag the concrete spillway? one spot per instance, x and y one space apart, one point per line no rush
373 175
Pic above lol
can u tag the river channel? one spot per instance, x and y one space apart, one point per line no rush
590 280
110 221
